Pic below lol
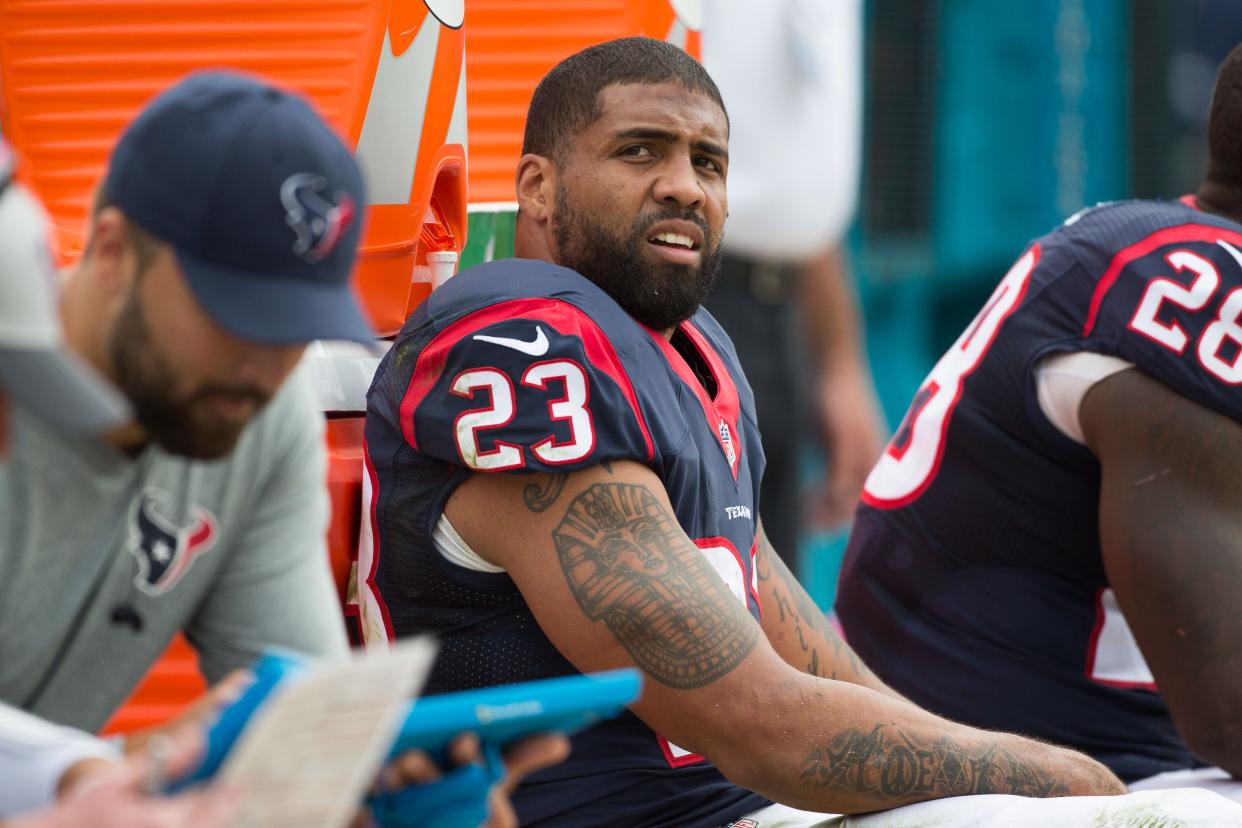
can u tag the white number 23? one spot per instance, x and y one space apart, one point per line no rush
569 408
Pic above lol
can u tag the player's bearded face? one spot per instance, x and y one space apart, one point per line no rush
179 421
657 294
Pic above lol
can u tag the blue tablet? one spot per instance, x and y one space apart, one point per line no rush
500 715
497 715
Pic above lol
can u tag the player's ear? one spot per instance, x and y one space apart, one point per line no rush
536 186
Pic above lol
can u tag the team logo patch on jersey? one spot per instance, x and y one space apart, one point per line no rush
164 550
726 440
318 223
747 822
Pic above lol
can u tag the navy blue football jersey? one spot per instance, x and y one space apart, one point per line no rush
521 366
973 581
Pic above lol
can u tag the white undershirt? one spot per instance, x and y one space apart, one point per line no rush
456 550
1062 380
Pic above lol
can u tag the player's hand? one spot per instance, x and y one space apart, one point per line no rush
115 794
415 767
853 432
524 758
197 715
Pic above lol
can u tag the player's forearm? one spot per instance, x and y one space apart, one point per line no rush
713 685
799 631
844 749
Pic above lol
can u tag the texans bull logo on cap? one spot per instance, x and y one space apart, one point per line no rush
168 175
318 223
164 550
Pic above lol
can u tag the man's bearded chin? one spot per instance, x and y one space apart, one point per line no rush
658 295
176 425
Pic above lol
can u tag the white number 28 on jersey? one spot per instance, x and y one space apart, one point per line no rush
1221 336
913 456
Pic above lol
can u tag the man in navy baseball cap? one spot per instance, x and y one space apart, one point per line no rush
222 241
259 199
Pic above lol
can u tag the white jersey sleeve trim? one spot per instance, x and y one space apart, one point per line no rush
1063 379
455 550
34 754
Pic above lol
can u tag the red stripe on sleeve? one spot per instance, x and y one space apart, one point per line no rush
1158 239
561 316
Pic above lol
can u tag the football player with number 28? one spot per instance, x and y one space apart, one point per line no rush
1050 542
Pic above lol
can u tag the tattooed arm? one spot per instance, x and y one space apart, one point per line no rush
798 629
1170 520
613 581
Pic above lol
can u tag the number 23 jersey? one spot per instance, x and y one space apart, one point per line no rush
973 581
521 366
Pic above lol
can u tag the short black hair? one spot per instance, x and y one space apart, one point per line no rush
1225 124
566 101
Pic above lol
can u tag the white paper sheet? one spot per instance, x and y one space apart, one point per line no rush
312 751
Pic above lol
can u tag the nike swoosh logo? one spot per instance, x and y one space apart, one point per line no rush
536 347
1233 251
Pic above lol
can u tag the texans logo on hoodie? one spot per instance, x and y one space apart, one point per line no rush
164 550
